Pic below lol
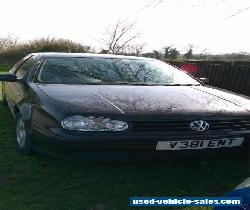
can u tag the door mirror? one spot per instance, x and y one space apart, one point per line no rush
204 80
8 77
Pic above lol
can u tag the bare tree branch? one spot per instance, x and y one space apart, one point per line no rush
126 42
120 37
237 12
124 30
113 36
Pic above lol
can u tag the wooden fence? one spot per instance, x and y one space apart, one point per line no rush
233 76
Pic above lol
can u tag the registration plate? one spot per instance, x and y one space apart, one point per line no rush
199 144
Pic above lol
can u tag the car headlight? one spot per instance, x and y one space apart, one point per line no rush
81 123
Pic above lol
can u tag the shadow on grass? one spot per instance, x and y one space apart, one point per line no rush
40 182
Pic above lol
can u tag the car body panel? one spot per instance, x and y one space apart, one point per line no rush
143 100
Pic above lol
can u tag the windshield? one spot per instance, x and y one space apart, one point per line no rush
94 70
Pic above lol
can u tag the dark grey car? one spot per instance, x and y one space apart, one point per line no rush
97 105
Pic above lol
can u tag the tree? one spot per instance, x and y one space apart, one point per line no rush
174 53
157 54
167 50
204 54
189 53
170 52
120 37
134 49
7 42
103 51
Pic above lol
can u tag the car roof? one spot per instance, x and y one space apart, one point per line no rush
93 55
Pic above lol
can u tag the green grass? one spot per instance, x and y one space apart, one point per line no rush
4 69
40 182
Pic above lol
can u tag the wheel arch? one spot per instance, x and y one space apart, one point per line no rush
25 110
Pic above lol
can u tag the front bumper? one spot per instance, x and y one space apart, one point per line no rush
126 145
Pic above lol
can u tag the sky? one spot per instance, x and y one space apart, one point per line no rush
214 26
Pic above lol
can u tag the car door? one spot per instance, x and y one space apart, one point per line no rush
17 91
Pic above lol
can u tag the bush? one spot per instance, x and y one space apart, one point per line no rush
12 54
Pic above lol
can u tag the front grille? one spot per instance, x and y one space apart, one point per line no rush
230 125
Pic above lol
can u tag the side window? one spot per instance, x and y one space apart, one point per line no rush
25 67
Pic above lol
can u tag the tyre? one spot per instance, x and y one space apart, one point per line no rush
22 137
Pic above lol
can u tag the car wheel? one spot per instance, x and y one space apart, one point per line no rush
23 137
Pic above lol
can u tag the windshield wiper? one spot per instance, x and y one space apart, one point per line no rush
154 84
132 83
181 84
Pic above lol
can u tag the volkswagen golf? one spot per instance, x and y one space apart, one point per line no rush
111 106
